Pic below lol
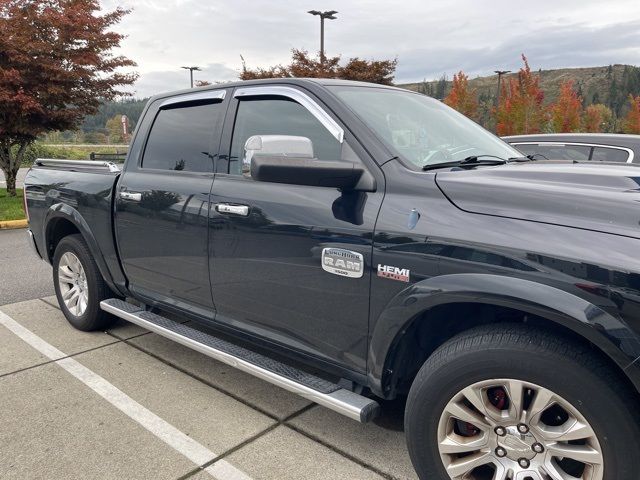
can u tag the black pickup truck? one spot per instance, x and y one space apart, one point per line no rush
351 242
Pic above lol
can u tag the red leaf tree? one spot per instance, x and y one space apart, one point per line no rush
305 66
56 67
632 120
462 98
521 108
566 112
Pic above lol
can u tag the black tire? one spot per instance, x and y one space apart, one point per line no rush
570 370
93 317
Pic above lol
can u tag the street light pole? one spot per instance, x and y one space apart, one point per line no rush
191 70
500 73
329 15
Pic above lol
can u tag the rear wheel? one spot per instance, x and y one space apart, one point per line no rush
79 285
513 403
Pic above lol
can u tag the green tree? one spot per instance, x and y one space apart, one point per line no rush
441 87
425 88
114 129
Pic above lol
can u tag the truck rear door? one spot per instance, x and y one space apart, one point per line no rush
162 202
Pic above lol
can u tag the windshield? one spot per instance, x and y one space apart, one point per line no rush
420 129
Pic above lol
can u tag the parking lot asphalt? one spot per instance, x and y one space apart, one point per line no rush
23 275
127 403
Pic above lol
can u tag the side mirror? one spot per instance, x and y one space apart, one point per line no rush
305 171
281 145
290 159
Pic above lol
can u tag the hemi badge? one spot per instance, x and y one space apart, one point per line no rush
394 273
342 262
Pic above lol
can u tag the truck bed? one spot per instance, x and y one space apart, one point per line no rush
84 190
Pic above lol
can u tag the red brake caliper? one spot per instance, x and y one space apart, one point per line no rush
498 397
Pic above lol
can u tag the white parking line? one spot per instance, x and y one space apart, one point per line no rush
166 432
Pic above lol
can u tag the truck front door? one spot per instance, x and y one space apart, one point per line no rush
267 239
162 201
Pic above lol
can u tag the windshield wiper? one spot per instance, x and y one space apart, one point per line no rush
469 162
528 158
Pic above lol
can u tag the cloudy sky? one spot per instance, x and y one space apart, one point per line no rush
429 37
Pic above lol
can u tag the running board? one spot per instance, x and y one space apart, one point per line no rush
309 386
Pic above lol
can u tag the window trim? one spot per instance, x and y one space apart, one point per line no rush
298 96
194 97
579 144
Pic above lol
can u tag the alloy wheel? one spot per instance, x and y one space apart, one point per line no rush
509 429
72 282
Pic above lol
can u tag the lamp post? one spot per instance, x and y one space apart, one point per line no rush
191 70
500 73
329 15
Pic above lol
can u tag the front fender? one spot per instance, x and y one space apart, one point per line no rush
608 333
63 211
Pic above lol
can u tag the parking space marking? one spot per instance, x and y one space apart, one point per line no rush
179 441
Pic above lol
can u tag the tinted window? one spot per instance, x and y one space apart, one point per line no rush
279 116
181 138
603 154
557 152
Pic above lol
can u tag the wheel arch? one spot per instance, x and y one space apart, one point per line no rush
62 220
419 319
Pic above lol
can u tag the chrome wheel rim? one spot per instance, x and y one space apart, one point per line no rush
73 284
508 429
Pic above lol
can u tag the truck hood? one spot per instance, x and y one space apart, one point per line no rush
601 197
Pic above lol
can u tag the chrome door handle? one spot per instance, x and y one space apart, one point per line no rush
242 210
134 197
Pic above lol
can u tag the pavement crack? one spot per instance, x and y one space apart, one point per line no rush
248 441
50 304
341 452
231 450
58 359
201 380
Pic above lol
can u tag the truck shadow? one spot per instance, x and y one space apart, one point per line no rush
392 414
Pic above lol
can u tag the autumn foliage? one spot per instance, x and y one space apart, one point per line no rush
632 121
521 108
56 67
596 118
566 112
461 97
305 66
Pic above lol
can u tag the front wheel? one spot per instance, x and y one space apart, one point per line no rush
512 403
79 285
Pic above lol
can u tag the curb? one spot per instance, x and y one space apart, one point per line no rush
11 224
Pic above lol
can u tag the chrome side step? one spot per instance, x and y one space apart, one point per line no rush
285 376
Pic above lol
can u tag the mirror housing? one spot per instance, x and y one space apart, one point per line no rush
306 171
284 145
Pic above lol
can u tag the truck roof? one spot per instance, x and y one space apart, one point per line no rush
323 82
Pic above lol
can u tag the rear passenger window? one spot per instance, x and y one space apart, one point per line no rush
279 116
557 152
604 154
181 138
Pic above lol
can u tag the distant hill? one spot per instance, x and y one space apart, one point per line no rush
610 85
132 108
